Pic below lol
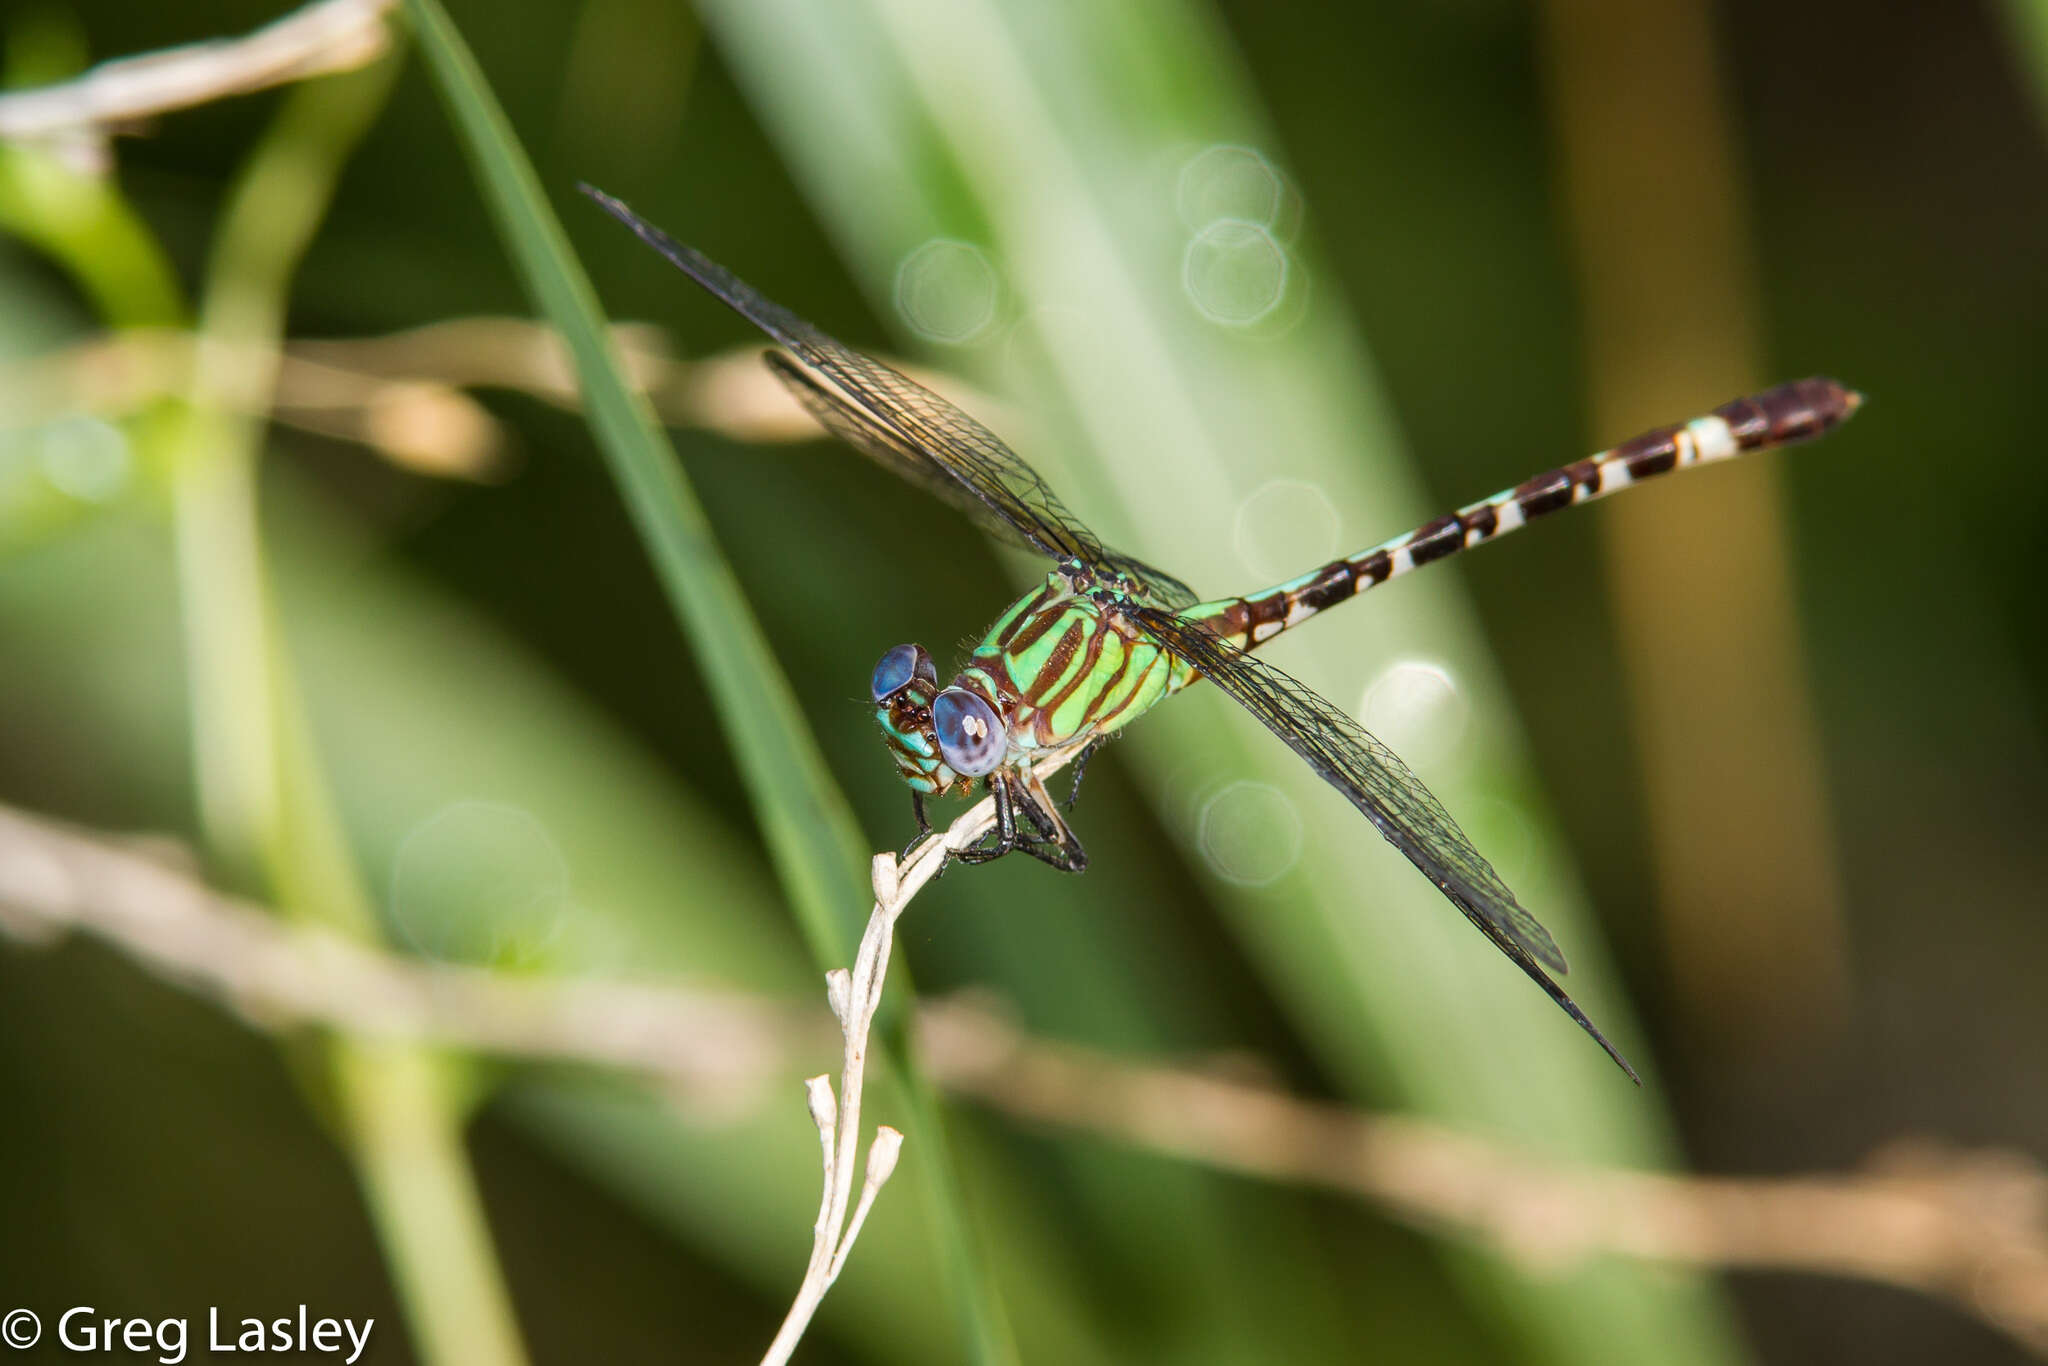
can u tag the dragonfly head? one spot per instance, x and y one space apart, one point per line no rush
905 685
939 739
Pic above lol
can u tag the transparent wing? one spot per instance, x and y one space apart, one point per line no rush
1347 757
908 428
887 447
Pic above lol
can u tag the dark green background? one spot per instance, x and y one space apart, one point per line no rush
157 1157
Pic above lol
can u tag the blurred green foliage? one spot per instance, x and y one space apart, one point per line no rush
532 771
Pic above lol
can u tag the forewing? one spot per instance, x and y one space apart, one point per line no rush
1375 780
906 426
886 447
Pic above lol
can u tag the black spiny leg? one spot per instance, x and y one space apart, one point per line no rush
1060 847
924 826
1000 840
1054 843
1080 767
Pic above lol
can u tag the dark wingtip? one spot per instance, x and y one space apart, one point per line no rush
1548 952
1619 1061
1565 1002
611 204
1571 1008
644 230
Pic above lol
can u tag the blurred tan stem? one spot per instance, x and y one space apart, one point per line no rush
264 803
317 39
403 394
1700 583
1968 1227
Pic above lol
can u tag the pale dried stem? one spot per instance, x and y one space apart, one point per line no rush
319 39
403 394
276 975
855 999
1969 1227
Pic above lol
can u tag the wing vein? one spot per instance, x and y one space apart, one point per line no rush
907 428
1375 780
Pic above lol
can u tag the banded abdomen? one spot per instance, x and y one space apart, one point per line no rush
1777 417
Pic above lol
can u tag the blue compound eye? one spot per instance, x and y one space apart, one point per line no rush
898 667
971 738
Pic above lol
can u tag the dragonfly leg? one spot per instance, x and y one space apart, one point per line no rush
924 826
1068 859
1053 843
1000 840
1080 767
1060 847
1041 817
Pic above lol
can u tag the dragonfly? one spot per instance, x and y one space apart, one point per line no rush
1106 637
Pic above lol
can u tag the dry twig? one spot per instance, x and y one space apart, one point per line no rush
318 40
403 395
53 880
1967 1227
855 997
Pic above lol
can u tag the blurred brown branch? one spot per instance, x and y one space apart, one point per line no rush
1967 1226
403 395
54 880
1970 1227
317 40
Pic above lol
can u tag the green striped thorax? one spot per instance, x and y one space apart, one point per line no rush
1062 666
